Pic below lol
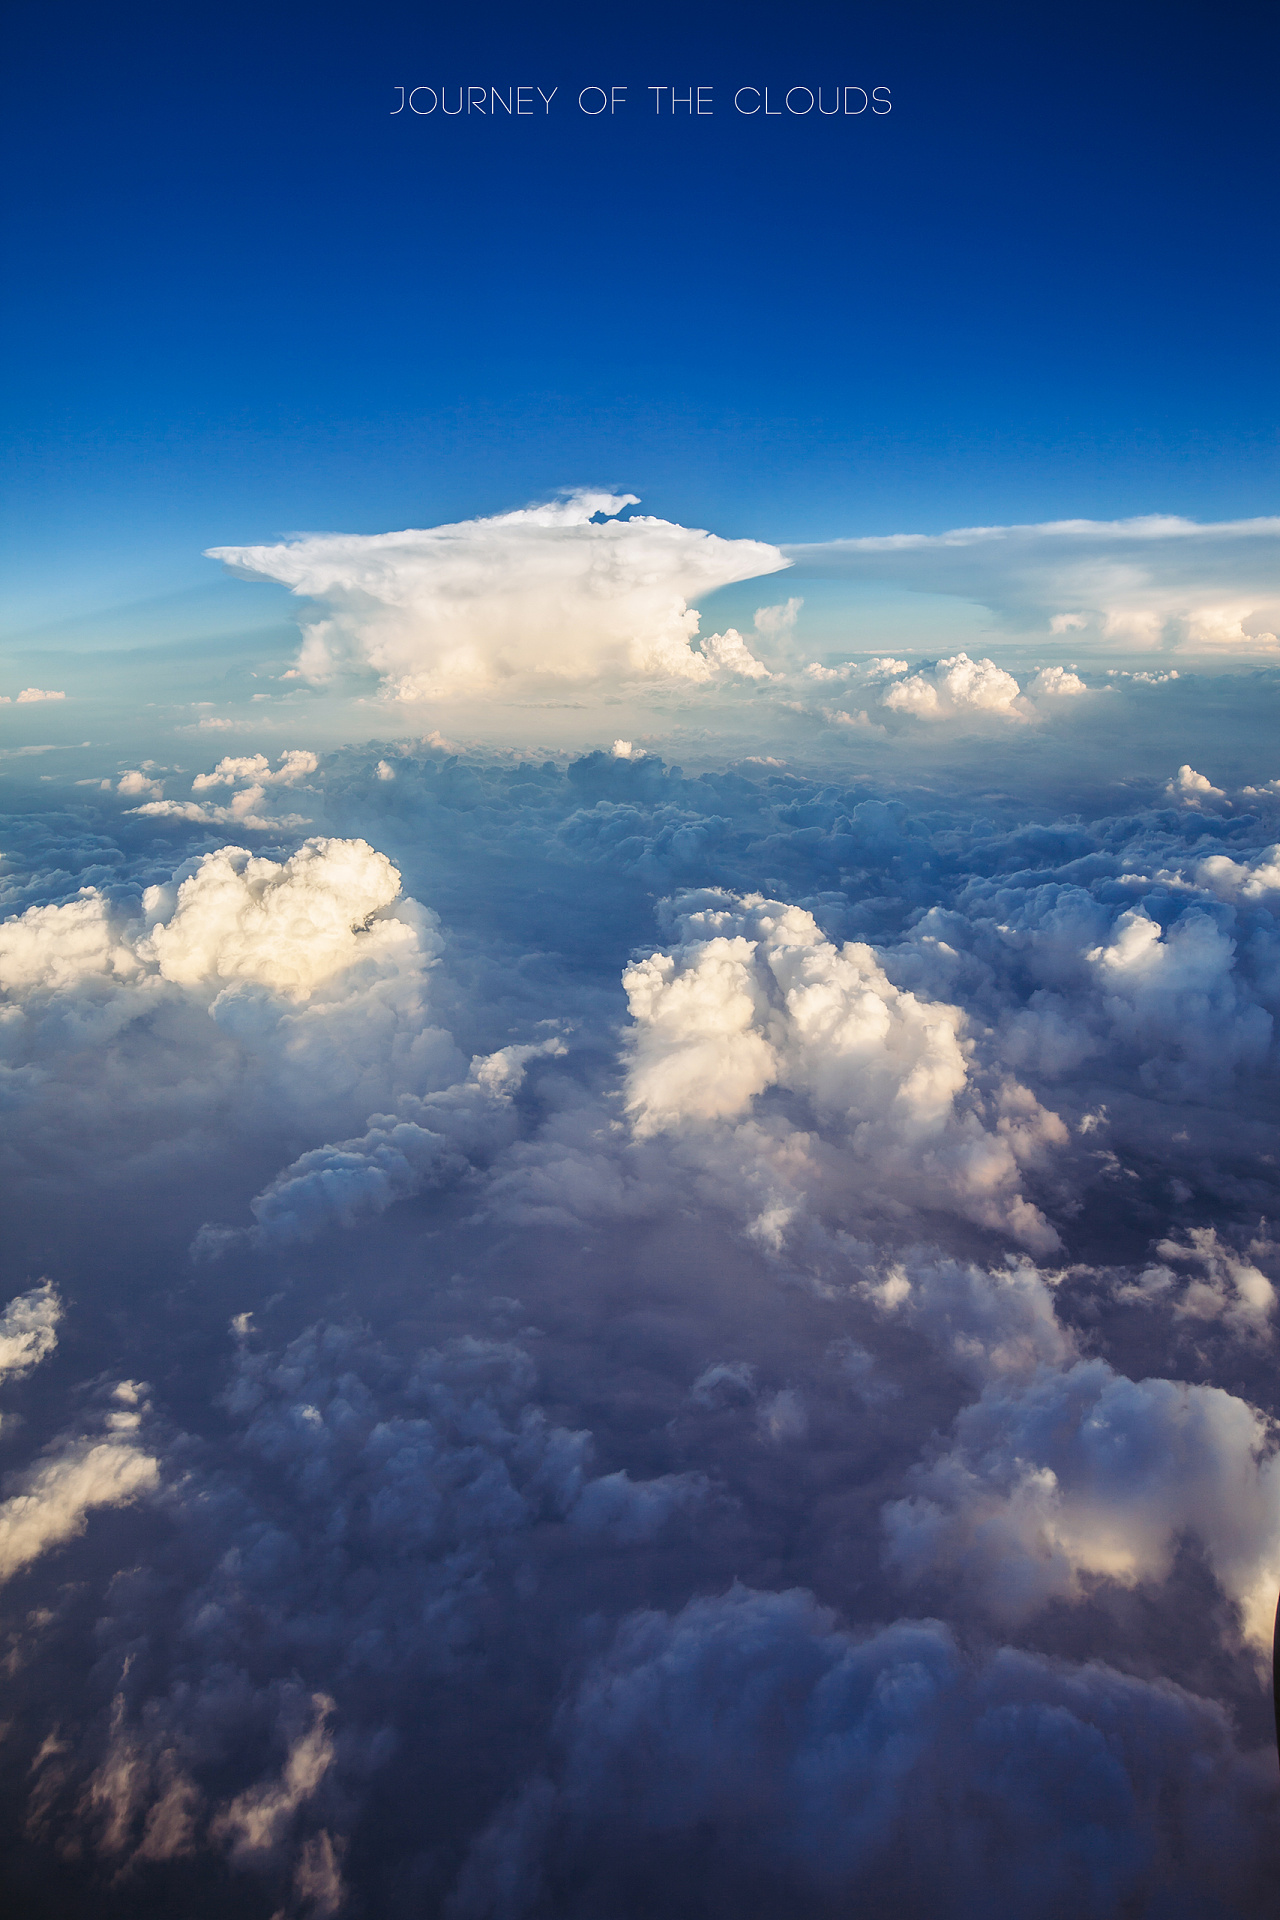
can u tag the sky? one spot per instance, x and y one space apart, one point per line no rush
639 878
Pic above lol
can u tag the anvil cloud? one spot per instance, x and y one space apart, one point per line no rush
564 593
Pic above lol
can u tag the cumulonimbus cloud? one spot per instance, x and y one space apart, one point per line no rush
564 592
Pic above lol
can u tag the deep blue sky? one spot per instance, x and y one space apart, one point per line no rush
251 301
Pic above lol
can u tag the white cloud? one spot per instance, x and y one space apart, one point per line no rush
245 807
1152 581
48 949
1180 989
995 1323
297 987
255 768
728 652
550 593
1255 879
1221 1284
1192 789
30 695
774 622
56 1496
754 997
1086 1475
1054 683
289 927
29 1330
955 686
135 782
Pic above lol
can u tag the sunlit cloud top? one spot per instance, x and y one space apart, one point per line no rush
564 592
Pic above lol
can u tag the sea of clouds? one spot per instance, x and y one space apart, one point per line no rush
587 1338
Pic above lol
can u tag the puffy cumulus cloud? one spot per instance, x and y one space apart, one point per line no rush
1191 789
288 926
1055 683
754 998
956 686
1083 1476
563 592
1153 581
252 992
1208 1279
747 1754
1182 985
29 696
29 1330
295 764
55 1497
777 621
1107 952
430 1142
1257 878
878 669
135 781
728 652
233 916
992 1323
253 774
50 948
958 691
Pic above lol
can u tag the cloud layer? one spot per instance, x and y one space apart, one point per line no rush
1156 581
626 1339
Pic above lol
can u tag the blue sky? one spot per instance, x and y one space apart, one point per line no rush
253 301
